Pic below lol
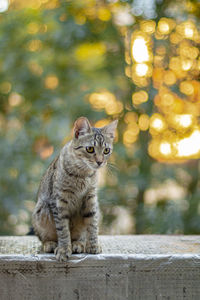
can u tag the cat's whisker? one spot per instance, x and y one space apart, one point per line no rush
111 169
112 166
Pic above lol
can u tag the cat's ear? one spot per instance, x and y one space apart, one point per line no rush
110 129
81 127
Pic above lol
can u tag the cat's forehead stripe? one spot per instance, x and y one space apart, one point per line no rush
98 137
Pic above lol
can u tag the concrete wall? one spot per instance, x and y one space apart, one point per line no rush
130 267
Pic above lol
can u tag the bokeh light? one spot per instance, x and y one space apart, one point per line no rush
140 50
4 4
51 82
107 101
166 55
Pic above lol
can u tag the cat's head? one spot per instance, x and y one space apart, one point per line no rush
93 145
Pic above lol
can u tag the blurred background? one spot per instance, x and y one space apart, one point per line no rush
137 61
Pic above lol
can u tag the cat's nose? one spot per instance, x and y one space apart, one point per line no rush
99 163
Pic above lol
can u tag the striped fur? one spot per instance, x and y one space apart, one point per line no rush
66 214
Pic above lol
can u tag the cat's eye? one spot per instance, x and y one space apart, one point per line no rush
90 149
106 151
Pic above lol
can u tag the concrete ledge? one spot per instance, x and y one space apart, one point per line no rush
130 267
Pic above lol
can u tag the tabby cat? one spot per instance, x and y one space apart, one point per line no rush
66 214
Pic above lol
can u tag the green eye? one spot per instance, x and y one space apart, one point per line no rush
106 151
90 149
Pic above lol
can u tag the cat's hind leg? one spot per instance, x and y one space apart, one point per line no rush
44 227
78 235
49 246
78 246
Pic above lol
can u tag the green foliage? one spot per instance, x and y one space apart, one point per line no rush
49 64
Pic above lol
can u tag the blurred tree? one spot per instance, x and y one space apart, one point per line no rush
62 59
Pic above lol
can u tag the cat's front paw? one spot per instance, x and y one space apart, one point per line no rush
63 253
49 246
77 247
93 248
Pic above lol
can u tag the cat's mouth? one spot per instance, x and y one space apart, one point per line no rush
96 166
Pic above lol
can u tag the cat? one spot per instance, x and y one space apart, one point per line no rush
65 217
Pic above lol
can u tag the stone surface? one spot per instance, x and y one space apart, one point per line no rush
124 244
130 267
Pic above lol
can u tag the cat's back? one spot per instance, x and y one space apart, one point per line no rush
46 183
